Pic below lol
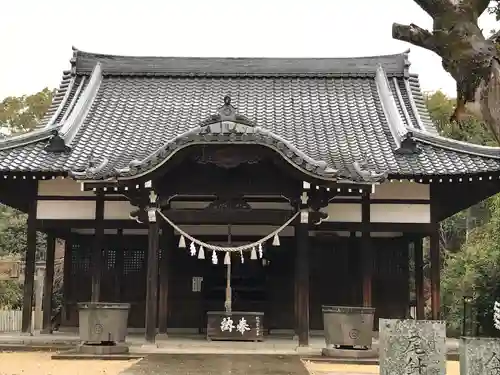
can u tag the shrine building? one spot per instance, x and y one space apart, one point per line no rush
314 179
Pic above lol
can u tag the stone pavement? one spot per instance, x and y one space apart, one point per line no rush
212 364
321 368
178 344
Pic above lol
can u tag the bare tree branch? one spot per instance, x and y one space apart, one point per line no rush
415 35
433 7
480 6
495 38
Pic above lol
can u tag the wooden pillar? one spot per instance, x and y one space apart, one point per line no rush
167 243
366 250
29 269
355 272
152 279
419 277
97 249
296 301
119 254
302 279
434 250
48 283
435 273
67 289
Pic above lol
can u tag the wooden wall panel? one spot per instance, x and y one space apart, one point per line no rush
335 279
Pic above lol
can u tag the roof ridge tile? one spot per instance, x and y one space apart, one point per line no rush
83 62
398 129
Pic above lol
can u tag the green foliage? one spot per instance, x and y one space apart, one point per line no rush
470 239
11 294
441 108
474 271
13 234
21 114
495 9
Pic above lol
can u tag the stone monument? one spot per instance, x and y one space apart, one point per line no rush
479 356
412 347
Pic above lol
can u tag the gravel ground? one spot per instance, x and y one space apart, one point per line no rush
321 368
40 363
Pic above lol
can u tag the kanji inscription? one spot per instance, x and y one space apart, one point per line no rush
243 326
412 347
479 356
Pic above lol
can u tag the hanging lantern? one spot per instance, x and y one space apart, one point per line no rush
253 254
260 251
215 260
227 258
276 240
192 249
201 253
182 242
242 257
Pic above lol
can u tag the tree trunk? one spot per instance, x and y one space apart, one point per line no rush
470 58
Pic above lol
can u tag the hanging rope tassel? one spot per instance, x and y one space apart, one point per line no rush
215 260
276 240
192 249
201 253
253 254
242 257
227 258
260 251
182 242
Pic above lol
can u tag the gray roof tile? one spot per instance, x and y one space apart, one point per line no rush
330 109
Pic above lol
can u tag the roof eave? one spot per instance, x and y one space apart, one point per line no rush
457 146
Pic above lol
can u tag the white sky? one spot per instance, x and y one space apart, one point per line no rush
37 35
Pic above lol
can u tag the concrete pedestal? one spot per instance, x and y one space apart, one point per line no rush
349 353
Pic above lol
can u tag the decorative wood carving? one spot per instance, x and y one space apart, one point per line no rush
245 179
229 204
226 156
56 144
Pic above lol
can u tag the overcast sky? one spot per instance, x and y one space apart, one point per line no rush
37 35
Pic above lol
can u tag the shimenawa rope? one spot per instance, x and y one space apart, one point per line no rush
229 248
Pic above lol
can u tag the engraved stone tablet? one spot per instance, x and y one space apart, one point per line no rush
479 356
412 347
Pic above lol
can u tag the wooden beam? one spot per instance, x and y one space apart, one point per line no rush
366 250
167 244
97 249
152 281
29 269
419 277
444 201
423 228
48 283
180 217
279 219
254 216
302 282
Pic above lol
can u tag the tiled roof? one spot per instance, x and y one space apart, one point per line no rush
118 110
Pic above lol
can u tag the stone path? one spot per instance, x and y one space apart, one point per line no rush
40 363
322 368
217 364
